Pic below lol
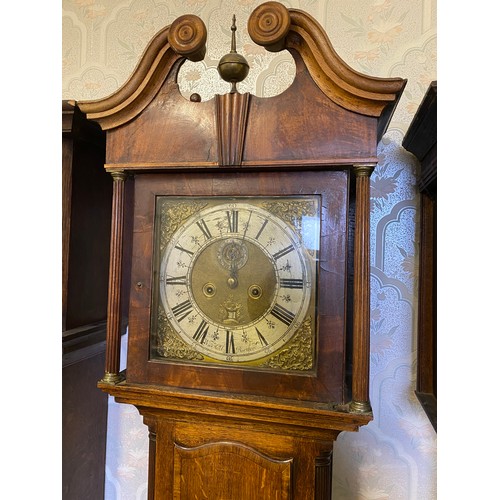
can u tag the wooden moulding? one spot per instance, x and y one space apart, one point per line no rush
298 418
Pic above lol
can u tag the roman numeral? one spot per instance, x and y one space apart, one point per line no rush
176 280
263 341
261 229
284 315
291 283
204 229
182 310
232 219
183 249
201 332
286 250
229 342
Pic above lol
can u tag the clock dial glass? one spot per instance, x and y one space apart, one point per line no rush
235 281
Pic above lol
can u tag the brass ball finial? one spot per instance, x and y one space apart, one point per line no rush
233 67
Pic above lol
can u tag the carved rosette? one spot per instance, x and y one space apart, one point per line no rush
269 25
188 36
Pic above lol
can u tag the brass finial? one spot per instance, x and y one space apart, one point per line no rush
233 35
233 67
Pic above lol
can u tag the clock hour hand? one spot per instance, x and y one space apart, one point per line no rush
232 256
232 281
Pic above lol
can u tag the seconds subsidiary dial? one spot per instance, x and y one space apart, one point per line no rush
236 278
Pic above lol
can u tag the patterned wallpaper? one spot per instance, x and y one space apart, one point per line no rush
394 457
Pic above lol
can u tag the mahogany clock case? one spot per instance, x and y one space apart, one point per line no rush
325 381
318 140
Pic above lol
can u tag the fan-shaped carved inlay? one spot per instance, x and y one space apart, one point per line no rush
231 127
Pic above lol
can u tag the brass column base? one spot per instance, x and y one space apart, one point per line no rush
112 378
360 407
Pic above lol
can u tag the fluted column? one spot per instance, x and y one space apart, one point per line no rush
112 368
361 318
323 476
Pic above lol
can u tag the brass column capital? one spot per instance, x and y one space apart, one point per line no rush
363 169
118 175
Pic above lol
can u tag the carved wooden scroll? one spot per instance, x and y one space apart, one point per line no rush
184 38
276 28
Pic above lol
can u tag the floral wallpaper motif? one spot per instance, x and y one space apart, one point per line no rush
394 457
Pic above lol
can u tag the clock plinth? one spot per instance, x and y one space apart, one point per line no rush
245 244
289 443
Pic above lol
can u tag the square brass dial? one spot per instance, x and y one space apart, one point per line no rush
234 281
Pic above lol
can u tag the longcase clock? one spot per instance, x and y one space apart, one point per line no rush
249 261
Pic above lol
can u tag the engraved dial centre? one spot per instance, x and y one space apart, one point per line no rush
245 281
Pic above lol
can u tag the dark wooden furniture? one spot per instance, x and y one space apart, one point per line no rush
86 197
421 140
221 430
